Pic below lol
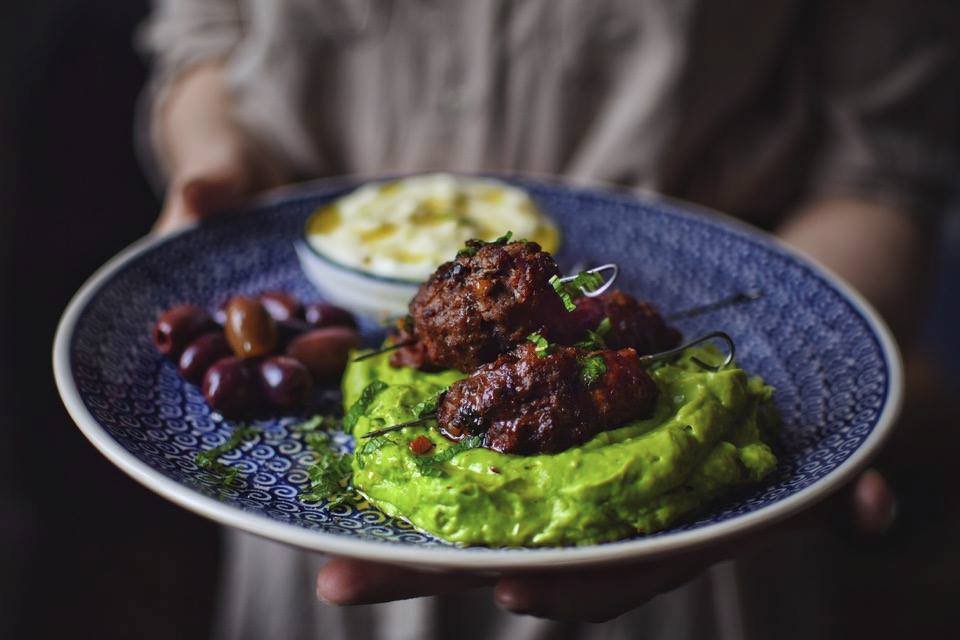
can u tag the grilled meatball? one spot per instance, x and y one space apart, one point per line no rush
633 323
482 304
527 404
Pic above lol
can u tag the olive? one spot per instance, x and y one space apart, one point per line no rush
178 326
281 305
201 353
287 330
322 314
250 329
285 382
230 386
324 352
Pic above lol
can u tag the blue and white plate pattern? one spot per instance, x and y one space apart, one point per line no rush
834 366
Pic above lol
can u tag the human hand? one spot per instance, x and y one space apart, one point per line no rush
212 162
600 594
215 180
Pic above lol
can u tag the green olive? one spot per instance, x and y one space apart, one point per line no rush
250 330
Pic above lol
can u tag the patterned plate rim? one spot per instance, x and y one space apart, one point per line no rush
490 560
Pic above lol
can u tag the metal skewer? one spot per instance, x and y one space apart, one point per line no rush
397 427
392 347
607 283
718 335
729 301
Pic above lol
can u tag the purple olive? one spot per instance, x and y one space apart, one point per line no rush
285 382
201 353
322 314
249 328
230 386
324 352
281 305
287 330
179 326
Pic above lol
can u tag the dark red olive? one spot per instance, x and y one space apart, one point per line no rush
281 305
231 387
179 326
322 314
201 353
287 330
324 352
285 382
249 328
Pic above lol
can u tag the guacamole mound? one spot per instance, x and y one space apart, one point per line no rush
709 433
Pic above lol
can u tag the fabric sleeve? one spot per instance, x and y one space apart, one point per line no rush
178 35
888 79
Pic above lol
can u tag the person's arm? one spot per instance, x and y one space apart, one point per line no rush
188 137
885 253
211 162
883 84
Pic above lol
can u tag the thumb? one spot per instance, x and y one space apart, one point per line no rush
202 196
207 196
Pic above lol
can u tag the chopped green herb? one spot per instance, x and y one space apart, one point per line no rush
433 465
316 439
208 459
474 245
584 281
368 447
542 345
596 339
591 369
330 476
604 328
428 406
362 404
346 497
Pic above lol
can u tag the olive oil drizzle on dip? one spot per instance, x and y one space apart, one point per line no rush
709 433
406 228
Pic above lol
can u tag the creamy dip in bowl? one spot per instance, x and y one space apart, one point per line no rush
369 250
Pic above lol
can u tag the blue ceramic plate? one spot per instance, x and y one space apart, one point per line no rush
835 368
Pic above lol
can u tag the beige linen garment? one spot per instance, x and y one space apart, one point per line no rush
748 106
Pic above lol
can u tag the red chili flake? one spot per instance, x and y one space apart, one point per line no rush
420 445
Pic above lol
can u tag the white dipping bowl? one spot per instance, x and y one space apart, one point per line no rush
369 250
363 293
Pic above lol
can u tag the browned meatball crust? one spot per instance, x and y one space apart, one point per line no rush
478 306
524 403
633 323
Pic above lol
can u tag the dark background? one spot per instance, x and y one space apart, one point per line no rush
85 549
90 552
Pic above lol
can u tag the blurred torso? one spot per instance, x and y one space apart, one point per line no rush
690 98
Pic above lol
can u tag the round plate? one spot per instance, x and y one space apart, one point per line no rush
836 370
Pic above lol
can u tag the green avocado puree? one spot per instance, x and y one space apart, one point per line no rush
708 434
